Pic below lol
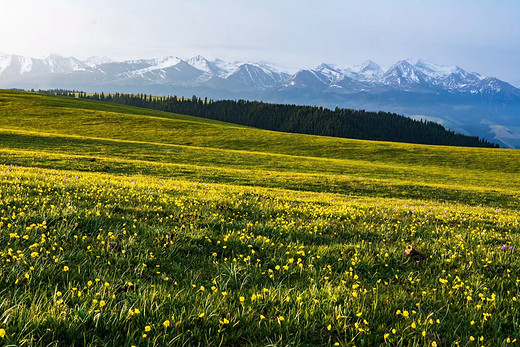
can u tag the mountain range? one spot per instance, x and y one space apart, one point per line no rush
466 102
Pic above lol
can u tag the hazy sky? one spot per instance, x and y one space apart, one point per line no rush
477 35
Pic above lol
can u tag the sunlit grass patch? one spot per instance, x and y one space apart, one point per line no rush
82 251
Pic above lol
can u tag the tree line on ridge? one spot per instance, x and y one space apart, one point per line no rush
340 122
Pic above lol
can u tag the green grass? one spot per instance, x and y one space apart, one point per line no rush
239 236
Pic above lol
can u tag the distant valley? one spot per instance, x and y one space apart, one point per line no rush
466 102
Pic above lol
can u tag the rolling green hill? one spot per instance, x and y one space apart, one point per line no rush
345 123
126 226
132 140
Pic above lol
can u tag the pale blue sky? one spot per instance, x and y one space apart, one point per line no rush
478 35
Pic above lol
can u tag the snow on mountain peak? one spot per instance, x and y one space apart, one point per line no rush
406 75
201 63
215 67
328 66
402 73
228 68
367 66
331 71
276 68
5 61
25 65
405 63
367 71
58 64
225 69
94 61
164 63
435 71
270 69
154 65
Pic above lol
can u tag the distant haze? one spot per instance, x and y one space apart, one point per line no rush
477 35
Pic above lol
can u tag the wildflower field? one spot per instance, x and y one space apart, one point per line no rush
129 227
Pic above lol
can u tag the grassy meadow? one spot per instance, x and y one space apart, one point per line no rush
122 226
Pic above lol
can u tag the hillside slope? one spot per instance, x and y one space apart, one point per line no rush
345 123
121 136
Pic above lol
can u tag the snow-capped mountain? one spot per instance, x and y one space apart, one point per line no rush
423 75
13 66
168 70
367 70
332 72
312 80
215 67
94 61
410 76
255 76
475 103
405 75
